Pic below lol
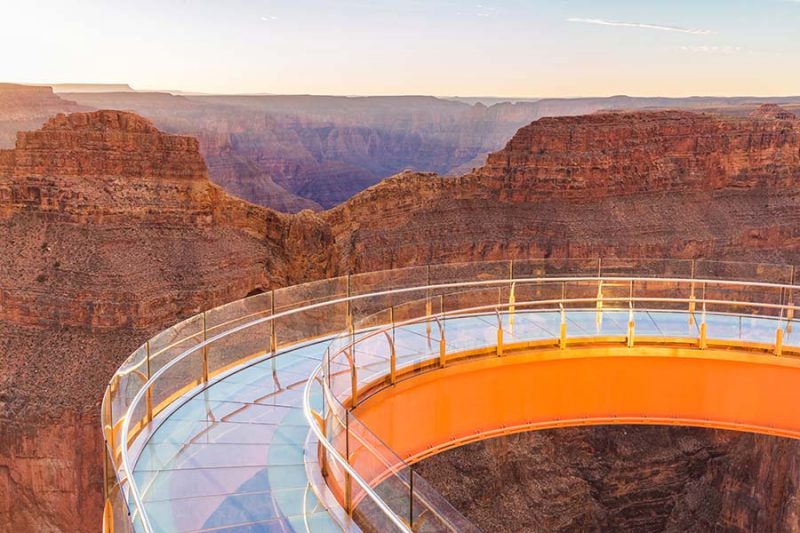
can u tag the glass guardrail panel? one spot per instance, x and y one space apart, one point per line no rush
120 520
382 318
177 382
372 358
384 280
645 268
537 291
233 314
236 347
471 331
418 308
131 376
162 345
531 324
362 284
434 514
311 324
586 291
314 292
383 471
733 270
416 342
459 299
470 272
552 267
172 351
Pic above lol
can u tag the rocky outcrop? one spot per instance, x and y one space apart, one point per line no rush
298 152
623 478
111 231
672 184
610 154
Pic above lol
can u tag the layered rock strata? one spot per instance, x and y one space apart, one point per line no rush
112 231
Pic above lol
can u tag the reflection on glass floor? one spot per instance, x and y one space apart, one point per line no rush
232 457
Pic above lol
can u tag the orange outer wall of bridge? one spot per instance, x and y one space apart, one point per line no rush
470 401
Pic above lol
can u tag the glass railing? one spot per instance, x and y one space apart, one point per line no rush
164 371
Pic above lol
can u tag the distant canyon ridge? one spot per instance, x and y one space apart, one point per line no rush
111 230
292 153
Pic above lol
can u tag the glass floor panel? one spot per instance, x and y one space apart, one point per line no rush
231 457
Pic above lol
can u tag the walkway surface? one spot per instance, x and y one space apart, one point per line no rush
232 457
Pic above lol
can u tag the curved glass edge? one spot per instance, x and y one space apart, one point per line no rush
176 341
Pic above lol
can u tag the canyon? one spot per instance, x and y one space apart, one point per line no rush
112 230
314 152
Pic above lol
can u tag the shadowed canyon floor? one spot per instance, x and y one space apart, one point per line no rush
623 478
111 231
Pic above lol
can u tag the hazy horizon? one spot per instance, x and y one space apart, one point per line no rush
511 48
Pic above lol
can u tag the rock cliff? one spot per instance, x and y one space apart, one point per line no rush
673 184
112 231
298 152
624 478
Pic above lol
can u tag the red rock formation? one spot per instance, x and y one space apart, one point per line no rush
673 184
609 154
273 150
111 231
625 478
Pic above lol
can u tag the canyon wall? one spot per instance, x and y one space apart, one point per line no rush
666 184
623 478
312 152
111 231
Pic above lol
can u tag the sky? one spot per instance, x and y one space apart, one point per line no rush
511 48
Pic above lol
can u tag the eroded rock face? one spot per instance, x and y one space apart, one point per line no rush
665 184
111 232
609 154
623 478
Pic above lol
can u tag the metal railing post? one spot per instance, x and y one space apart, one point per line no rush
353 377
205 349
598 318
442 349
411 498
790 303
778 341
393 352
562 340
348 480
692 303
428 307
702 341
631 325
499 333
512 299
149 393
273 338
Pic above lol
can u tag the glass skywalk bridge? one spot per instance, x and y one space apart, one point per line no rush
269 414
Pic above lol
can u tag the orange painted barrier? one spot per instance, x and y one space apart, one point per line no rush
470 401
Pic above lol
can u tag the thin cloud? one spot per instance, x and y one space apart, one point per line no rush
659 27
712 49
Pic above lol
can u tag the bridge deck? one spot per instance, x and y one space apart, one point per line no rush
233 456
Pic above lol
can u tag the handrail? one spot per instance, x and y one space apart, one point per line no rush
125 429
343 463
